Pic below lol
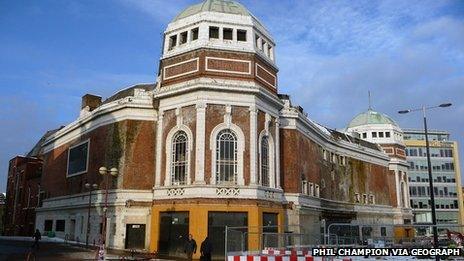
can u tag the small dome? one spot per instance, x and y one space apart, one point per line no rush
371 117
220 6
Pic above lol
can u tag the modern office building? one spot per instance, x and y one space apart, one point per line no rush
446 173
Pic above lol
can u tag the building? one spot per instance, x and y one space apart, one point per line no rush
212 144
24 193
444 155
2 211
378 128
22 196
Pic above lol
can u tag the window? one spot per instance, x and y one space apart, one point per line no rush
194 34
333 157
381 134
241 35
183 38
213 32
304 187
179 165
48 225
342 160
60 225
383 231
227 33
226 157
77 158
374 134
269 52
371 199
172 41
316 190
387 134
265 161
324 154
364 135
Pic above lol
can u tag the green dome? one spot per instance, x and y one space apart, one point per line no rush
371 117
220 6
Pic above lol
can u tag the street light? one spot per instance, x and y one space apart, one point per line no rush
113 172
429 165
90 187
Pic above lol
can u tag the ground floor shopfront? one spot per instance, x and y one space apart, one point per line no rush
172 221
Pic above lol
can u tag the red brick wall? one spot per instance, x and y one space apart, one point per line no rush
22 190
302 157
169 121
139 167
233 66
127 145
214 116
241 118
189 116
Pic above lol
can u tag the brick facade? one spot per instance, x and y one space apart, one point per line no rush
22 196
127 145
218 64
302 158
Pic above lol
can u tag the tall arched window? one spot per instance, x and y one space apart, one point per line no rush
226 157
179 160
264 161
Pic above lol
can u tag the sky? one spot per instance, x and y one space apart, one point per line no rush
330 54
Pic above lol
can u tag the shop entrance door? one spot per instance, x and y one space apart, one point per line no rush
174 230
135 236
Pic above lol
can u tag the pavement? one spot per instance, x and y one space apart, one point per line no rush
18 248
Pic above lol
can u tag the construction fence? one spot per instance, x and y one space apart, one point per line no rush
299 240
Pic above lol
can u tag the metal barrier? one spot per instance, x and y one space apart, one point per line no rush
257 241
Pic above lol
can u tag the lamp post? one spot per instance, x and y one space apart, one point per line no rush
104 171
90 187
429 165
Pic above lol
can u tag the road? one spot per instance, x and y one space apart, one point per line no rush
17 250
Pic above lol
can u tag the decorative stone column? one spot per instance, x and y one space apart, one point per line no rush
277 152
200 144
253 143
159 146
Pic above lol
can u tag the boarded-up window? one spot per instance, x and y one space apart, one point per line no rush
172 41
60 225
77 159
227 34
183 38
214 32
48 225
241 35
194 34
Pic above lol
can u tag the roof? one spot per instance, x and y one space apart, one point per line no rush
37 149
371 117
220 6
130 91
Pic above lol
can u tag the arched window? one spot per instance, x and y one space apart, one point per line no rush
226 157
179 160
264 161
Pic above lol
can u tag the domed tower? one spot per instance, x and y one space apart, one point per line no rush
218 39
379 128
217 160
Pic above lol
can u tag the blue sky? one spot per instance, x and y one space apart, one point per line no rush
330 53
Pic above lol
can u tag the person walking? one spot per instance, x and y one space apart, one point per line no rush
190 247
37 236
206 249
